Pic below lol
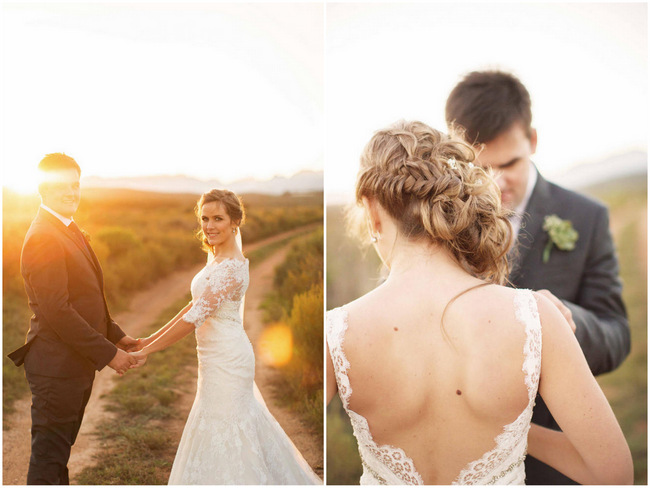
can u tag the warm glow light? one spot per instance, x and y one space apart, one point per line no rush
214 90
23 180
276 345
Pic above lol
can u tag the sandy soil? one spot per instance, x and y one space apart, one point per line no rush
144 308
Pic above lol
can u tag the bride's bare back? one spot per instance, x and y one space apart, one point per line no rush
441 396
424 400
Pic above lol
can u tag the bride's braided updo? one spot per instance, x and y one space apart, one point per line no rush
427 183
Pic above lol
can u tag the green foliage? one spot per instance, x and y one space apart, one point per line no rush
297 301
119 241
14 385
302 268
344 467
304 373
264 221
626 388
351 270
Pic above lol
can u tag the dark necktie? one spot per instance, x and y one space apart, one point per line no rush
77 233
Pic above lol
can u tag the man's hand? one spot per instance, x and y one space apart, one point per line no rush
140 358
129 344
122 361
561 307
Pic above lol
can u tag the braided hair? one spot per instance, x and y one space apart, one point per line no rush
426 181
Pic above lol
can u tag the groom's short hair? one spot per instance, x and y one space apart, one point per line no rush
58 161
487 103
52 163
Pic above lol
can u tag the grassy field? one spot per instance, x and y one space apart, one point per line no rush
626 388
139 237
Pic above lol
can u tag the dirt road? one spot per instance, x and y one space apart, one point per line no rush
144 308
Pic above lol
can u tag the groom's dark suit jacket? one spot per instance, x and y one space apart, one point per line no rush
71 333
585 279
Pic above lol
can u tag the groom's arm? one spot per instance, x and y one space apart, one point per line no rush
44 259
114 333
601 322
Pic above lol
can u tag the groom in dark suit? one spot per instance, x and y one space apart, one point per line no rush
494 110
71 333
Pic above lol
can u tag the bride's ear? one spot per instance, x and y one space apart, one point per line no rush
373 215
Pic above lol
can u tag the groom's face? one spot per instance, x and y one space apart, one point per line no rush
509 156
61 192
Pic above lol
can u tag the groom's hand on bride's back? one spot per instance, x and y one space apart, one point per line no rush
564 310
128 344
122 361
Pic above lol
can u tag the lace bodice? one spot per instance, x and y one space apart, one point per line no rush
214 286
391 465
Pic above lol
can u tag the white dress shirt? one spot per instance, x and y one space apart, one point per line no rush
66 221
519 210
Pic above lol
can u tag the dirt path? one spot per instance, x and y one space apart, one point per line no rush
144 308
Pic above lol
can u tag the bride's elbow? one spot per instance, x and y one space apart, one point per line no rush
617 472
625 473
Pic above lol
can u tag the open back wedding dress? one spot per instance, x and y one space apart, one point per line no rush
502 465
230 436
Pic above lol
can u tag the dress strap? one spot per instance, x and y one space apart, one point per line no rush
336 325
527 314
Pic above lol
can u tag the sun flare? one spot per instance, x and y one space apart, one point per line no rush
21 180
276 345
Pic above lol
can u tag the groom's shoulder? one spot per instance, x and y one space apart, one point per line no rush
41 232
561 193
575 199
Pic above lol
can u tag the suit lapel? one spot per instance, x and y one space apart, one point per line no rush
84 248
531 224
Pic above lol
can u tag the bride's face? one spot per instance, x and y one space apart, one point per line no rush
216 224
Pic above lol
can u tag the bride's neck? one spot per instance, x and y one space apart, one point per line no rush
422 257
226 250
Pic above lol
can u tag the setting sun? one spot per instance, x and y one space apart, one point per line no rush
21 179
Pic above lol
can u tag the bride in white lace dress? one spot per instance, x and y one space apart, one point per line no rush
439 366
230 436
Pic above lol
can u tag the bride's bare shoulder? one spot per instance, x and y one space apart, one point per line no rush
367 306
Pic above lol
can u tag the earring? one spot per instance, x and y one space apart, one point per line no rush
375 238
234 231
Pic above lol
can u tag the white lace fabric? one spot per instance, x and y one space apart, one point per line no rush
504 464
230 436
226 281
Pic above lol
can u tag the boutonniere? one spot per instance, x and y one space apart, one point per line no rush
85 234
561 233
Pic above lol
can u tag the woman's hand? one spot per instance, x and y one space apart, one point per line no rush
143 342
140 357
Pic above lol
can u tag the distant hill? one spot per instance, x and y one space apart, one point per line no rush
302 182
629 166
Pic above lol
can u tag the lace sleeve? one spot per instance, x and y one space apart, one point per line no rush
225 281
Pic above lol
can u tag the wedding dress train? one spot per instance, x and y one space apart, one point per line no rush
502 465
230 436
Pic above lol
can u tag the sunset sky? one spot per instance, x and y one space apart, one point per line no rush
224 91
584 64
235 90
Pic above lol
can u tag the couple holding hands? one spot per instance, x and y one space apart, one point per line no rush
230 436
445 364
